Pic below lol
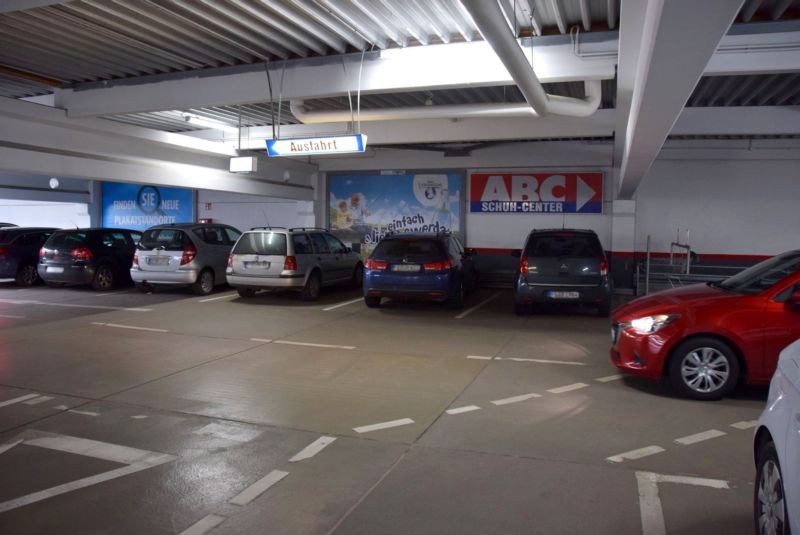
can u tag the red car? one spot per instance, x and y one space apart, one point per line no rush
708 337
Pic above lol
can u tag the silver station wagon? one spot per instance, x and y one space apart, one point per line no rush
302 259
193 254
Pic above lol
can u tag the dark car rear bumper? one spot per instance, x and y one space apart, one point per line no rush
72 274
592 295
436 287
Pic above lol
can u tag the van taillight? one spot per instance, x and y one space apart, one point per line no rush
523 265
603 267
379 265
290 264
189 252
230 260
444 265
81 253
136 258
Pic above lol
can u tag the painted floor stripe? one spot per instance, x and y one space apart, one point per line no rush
258 488
20 399
515 399
383 425
476 307
344 304
478 357
36 401
609 378
567 388
139 417
460 410
312 449
544 361
700 437
262 340
309 344
204 525
131 327
745 424
85 413
70 305
5 447
9 316
60 407
226 296
635 454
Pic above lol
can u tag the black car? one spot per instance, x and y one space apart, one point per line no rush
101 257
19 251
3 225
563 266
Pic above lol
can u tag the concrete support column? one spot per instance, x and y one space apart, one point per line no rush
623 242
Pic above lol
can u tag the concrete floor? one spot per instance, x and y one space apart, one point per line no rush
169 413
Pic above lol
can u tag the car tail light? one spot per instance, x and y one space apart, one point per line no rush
81 253
379 265
136 258
230 260
523 265
604 267
290 264
444 265
3 251
189 252
41 252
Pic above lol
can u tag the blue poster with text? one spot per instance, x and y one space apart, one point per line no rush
137 206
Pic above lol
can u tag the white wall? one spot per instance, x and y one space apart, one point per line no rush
247 211
44 214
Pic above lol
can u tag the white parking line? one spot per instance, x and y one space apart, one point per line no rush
476 307
85 413
70 305
344 304
460 410
18 400
543 361
567 388
312 449
204 525
60 407
515 399
608 378
635 454
478 357
139 416
258 488
131 327
12 317
383 425
226 296
309 344
700 437
103 294
36 401
262 340
745 424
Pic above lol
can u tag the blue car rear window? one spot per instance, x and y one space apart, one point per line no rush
409 248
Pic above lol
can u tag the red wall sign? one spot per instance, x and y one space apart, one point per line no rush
525 193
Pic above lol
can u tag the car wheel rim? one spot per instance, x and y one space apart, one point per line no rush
771 517
104 278
206 283
29 275
705 370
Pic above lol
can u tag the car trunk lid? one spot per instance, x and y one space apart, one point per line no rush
162 249
259 254
563 259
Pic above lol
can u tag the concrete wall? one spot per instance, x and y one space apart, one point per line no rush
248 211
44 213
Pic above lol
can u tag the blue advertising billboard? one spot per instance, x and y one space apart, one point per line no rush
137 206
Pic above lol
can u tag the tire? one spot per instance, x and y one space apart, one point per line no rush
312 288
204 284
27 275
245 292
768 494
704 368
372 302
104 279
604 310
457 301
358 276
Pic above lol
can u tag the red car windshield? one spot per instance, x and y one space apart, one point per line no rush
757 278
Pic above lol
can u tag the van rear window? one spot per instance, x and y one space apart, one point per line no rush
167 239
562 245
263 243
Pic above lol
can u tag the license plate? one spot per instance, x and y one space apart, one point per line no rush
157 260
52 269
564 295
256 265
405 267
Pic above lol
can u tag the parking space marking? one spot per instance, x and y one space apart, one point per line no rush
312 449
12 317
60 407
131 327
84 413
344 304
226 296
478 357
258 488
71 305
515 399
383 425
609 378
20 399
476 307
37 400
700 437
139 417
543 361
745 424
309 344
103 294
204 525
567 388
237 433
635 454
262 340
460 410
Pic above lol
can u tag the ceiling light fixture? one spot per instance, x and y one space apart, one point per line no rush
209 123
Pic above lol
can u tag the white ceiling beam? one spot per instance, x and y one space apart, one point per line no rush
671 57
395 70
738 121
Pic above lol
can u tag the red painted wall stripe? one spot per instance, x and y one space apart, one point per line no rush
640 255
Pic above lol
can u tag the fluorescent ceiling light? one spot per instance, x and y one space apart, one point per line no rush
209 123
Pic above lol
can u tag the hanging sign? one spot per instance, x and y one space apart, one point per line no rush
316 145
525 193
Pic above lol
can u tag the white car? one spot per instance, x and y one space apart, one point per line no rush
777 450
